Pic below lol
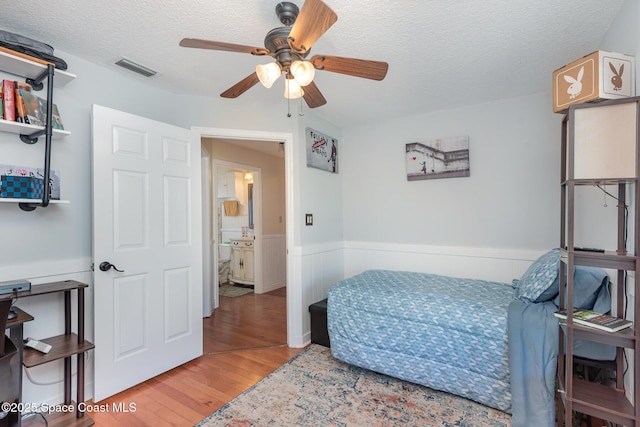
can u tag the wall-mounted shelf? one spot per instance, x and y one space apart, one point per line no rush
52 202
26 129
35 74
31 70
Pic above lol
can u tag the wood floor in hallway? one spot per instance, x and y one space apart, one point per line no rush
244 340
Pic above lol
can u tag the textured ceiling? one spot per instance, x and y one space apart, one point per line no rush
441 53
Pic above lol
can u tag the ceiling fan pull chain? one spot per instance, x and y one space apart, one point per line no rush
288 107
301 113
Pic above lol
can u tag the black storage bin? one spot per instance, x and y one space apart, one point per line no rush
319 331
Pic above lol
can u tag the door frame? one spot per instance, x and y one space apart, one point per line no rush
294 287
209 299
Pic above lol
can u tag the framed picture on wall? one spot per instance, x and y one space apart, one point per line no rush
322 151
438 158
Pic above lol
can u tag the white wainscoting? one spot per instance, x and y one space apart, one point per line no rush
317 267
494 264
274 262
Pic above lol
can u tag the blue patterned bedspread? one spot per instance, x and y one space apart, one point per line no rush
446 333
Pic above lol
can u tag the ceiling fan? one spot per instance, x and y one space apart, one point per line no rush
289 46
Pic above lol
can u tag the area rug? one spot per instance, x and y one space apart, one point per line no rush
314 389
233 291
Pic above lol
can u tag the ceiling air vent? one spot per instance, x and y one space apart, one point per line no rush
136 68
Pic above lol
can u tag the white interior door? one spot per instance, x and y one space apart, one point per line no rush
146 222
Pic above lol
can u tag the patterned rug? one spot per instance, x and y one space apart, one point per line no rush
233 291
314 389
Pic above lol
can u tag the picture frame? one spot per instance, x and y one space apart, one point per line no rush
322 151
438 158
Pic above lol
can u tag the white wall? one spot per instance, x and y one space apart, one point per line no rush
54 243
318 254
509 203
490 225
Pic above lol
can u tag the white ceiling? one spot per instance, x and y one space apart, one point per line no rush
441 53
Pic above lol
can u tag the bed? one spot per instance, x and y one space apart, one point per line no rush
494 343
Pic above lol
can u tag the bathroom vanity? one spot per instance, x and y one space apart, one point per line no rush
242 261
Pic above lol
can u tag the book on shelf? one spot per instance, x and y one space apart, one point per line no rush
36 110
32 107
56 119
9 106
21 112
596 320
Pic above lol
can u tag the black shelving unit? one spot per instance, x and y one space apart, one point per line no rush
64 347
585 131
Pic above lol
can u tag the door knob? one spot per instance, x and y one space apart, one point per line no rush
106 266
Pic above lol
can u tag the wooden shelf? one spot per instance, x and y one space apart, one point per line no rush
625 338
26 68
22 317
600 401
600 181
62 346
47 288
607 259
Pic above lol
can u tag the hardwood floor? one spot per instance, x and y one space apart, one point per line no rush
244 340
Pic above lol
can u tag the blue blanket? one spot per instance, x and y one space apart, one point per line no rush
446 333
533 347
533 358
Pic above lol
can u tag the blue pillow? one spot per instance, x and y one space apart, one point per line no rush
540 282
590 289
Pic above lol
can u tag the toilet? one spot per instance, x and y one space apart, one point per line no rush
224 262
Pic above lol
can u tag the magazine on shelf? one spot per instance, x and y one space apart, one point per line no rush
32 106
596 320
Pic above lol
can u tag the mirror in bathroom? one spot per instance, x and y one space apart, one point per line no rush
250 203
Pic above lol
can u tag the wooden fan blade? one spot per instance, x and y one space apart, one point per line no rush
374 70
226 47
314 19
312 96
241 87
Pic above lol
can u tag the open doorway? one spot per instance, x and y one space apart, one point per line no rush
247 241
237 224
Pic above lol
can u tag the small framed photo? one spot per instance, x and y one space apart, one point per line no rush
438 158
322 151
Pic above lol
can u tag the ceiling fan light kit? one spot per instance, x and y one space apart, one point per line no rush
289 46
292 89
303 72
268 73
